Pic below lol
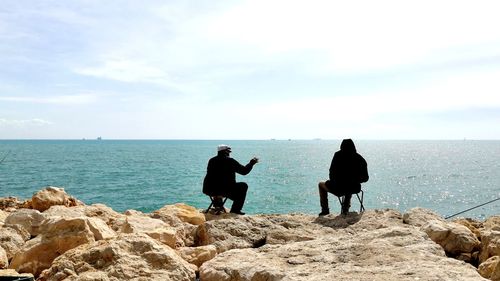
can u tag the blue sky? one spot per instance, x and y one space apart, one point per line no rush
250 69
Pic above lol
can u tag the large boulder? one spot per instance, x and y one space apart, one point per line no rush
185 231
58 235
492 223
389 253
15 275
101 211
490 244
367 221
51 196
10 203
129 257
420 216
155 228
12 239
100 229
197 255
3 216
27 218
472 225
238 232
454 238
4 260
184 212
490 268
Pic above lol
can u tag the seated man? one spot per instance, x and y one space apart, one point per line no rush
347 171
221 178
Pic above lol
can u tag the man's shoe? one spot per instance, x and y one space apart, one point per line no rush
324 213
237 212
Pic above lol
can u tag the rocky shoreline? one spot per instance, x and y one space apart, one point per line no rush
54 237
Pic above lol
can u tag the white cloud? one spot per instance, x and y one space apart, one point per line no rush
23 123
62 99
357 36
176 46
459 92
230 56
133 71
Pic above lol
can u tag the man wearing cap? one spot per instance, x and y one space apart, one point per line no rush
221 178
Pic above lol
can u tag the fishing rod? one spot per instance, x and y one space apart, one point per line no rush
472 208
7 154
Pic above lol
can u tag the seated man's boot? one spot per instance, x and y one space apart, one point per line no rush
324 212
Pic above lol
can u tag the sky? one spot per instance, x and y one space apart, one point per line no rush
257 69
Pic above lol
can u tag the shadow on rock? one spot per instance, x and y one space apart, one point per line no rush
339 221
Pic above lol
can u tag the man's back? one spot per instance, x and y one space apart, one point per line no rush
348 171
221 178
220 174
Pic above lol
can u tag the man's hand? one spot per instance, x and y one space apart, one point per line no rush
254 161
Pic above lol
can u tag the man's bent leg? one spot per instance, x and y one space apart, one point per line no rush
323 198
238 195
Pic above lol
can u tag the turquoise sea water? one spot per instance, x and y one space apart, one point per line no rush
445 176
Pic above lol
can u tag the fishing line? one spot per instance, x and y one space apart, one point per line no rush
472 208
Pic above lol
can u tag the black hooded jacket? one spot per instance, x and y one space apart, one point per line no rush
348 169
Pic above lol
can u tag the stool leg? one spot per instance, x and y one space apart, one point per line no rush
362 207
210 206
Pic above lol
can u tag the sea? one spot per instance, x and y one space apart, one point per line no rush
447 177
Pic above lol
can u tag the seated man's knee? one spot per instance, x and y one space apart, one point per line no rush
244 186
322 185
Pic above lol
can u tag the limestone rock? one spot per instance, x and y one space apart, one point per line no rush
492 223
10 203
128 257
100 229
155 228
3 216
167 236
184 212
420 217
185 232
96 215
371 220
100 211
57 236
471 224
28 218
50 196
490 244
490 268
13 273
454 238
133 213
397 252
198 255
238 232
495 275
4 260
12 239
167 217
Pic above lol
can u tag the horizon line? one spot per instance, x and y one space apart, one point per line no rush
230 139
